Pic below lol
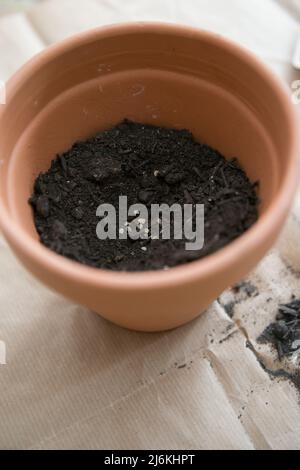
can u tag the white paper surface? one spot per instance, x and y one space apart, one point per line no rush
71 379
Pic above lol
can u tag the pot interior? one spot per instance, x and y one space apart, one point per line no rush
162 78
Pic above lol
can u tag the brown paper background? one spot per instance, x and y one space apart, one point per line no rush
71 379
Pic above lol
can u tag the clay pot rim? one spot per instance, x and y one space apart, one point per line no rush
194 271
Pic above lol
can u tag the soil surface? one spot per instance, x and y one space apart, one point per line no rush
148 165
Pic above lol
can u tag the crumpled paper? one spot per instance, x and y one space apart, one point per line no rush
69 379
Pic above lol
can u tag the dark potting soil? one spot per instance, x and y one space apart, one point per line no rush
284 332
282 374
149 165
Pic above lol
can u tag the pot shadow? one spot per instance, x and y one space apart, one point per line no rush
78 347
111 345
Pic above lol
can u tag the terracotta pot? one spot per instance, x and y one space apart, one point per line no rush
153 73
